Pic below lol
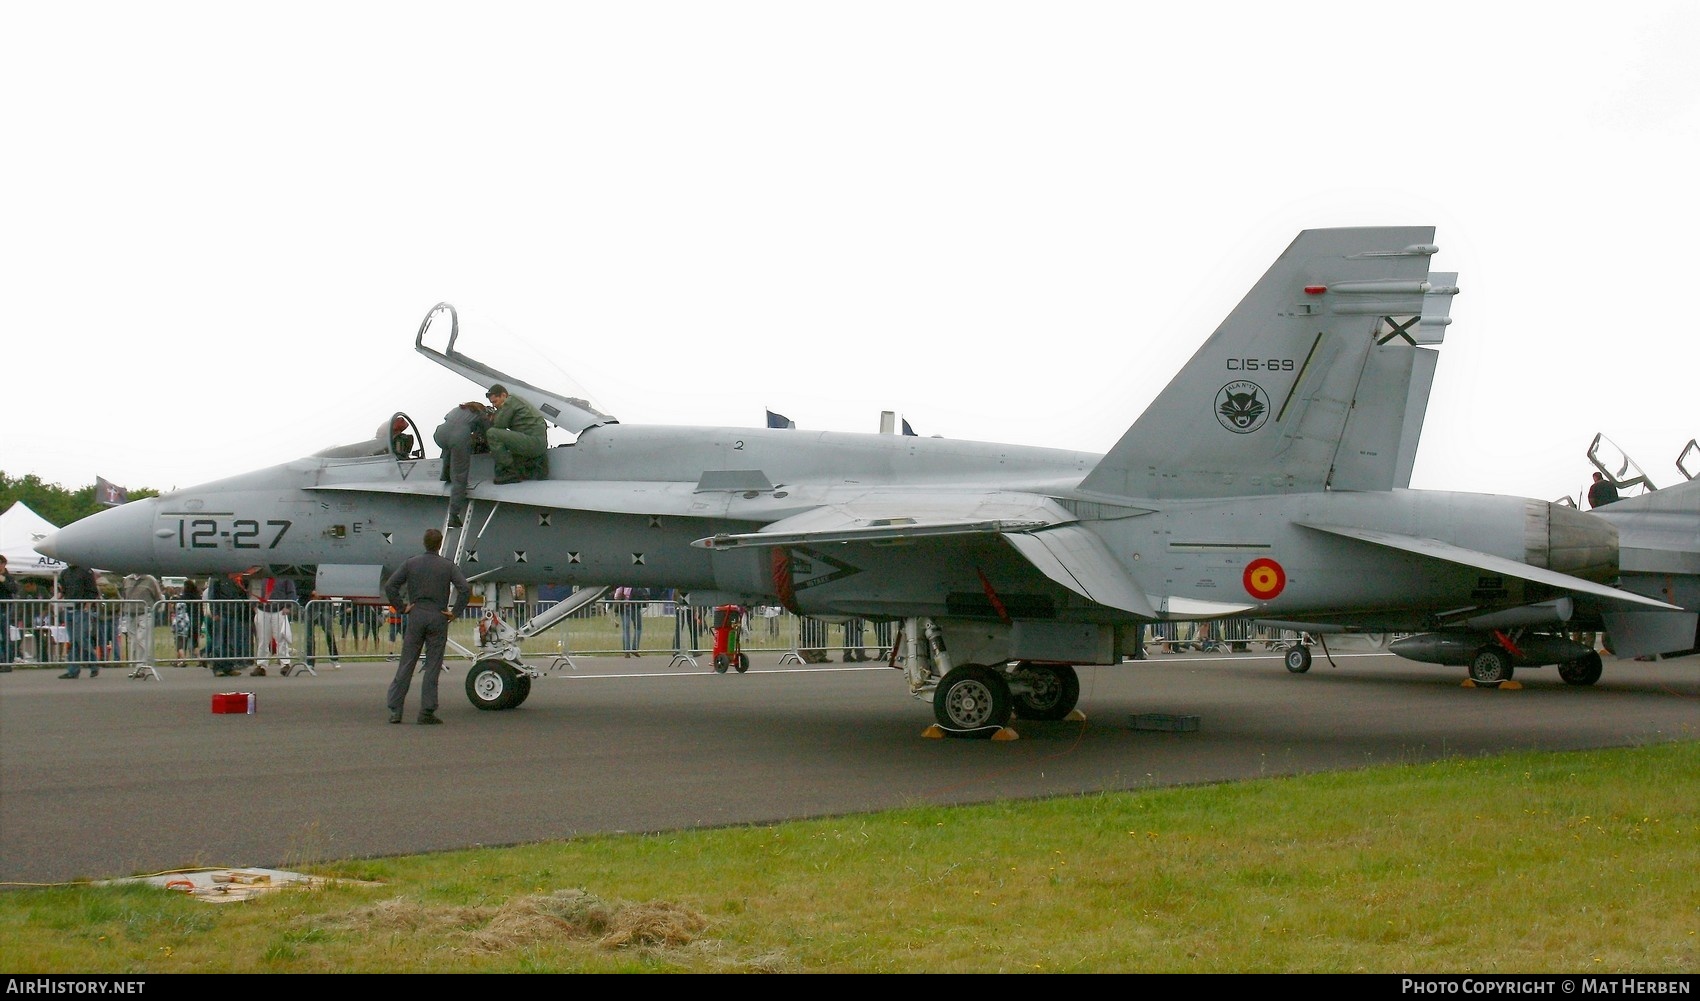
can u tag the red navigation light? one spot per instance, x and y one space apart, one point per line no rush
1315 289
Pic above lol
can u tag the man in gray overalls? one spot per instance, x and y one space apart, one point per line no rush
426 577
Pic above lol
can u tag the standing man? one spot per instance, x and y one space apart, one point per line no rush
687 620
630 602
518 435
460 434
9 614
426 577
141 592
321 614
230 629
855 632
78 589
1602 491
278 599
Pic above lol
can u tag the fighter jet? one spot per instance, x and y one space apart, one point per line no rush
1268 479
1658 556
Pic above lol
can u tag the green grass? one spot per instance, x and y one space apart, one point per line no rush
1584 862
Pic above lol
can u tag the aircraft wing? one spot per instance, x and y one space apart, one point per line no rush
1435 549
1039 529
1079 561
901 515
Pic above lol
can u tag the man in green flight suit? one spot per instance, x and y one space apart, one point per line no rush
518 437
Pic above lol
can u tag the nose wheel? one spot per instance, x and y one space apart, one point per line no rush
497 684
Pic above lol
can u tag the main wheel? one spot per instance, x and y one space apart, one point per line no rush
972 701
1297 658
719 663
1490 666
1052 690
1584 670
496 684
743 662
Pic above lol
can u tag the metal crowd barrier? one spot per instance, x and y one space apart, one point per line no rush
109 632
224 636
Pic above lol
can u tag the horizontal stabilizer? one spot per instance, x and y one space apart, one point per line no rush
1435 549
1079 561
1639 634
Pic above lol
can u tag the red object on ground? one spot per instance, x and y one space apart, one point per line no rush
233 702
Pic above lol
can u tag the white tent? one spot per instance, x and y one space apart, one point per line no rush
20 529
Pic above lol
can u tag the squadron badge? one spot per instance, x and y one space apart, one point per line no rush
1242 407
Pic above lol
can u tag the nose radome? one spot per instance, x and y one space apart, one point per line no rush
119 539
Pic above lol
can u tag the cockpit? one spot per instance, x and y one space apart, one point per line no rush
405 442
565 407
397 436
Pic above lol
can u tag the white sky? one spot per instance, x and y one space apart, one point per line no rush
222 223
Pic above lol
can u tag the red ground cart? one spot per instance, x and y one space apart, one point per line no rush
728 626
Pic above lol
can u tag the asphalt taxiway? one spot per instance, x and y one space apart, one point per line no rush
113 776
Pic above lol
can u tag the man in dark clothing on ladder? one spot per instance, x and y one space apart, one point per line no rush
460 435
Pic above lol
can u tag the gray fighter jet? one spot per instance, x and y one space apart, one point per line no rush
1268 479
1658 556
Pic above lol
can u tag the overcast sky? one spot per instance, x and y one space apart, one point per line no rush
1013 222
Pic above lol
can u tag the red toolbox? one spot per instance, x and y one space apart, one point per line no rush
233 702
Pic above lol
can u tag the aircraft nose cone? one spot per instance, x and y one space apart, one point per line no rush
120 539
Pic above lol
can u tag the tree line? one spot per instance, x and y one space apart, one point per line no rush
54 502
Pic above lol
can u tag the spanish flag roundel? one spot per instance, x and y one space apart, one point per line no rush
1264 579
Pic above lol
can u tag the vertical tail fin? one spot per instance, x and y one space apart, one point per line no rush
1379 447
1264 406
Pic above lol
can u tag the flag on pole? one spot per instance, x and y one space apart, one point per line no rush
109 493
779 421
907 429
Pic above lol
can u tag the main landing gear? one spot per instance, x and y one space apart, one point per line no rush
1490 666
976 701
